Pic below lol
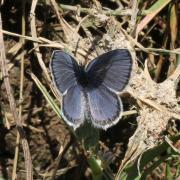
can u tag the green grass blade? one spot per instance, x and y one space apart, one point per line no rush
47 96
157 6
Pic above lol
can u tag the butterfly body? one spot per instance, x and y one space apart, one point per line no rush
91 92
83 77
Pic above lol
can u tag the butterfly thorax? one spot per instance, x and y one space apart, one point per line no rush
83 77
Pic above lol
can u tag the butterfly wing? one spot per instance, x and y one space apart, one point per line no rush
111 69
73 106
105 107
65 70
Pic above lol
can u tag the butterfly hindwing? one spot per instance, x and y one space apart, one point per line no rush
105 107
64 69
111 69
73 106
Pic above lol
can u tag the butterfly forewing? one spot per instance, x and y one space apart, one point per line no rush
105 107
64 69
111 69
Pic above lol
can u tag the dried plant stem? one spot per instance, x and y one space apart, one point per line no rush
20 94
69 32
19 35
156 106
50 43
57 162
160 62
159 50
117 12
36 46
25 146
127 113
16 156
62 151
34 35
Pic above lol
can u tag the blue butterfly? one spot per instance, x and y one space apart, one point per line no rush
91 92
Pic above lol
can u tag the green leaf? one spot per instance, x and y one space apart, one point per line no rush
1 178
96 168
136 169
88 135
168 172
177 60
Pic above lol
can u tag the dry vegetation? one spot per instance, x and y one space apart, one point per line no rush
35 143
